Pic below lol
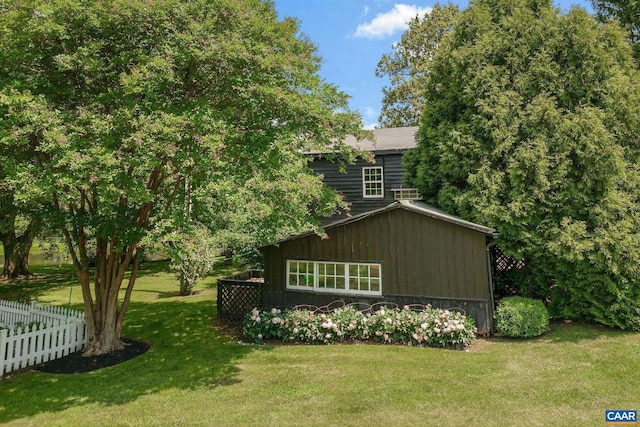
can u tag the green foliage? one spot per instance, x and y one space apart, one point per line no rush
408 66
119 114
521 317
627 13
531 126
433 327
192 252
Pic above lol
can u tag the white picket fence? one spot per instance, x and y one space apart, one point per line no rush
33 333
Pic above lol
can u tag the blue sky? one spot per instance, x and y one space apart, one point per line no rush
352 35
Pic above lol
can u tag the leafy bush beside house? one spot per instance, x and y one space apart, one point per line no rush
521 317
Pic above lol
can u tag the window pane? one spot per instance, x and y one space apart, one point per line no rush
374 271
339 269
308 279
353 270
340 282
374 285
293 280
364 271
331 283
331 269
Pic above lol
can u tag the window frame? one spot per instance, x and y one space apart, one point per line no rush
349 278
366 183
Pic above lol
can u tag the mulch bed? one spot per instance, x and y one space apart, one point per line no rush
75 363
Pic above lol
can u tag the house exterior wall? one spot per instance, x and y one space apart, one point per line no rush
349 183
424 260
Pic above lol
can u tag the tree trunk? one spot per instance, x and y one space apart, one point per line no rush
9 244
104 315
16 251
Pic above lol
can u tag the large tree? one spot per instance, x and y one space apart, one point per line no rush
407 67
627 13
134 109
531 125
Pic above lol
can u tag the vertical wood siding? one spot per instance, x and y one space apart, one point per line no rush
349 183
419 255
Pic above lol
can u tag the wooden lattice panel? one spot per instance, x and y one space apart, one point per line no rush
237 298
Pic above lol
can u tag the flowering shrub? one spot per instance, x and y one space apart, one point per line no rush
433 327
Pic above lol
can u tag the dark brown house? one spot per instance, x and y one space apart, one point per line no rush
406 253
369 186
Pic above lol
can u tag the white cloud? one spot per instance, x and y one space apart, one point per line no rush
389 23
370 118
365 12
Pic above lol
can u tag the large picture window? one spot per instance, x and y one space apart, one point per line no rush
335 277
372 182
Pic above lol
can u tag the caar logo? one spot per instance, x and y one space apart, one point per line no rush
616 418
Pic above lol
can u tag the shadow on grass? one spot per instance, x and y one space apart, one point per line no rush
47 278
186 353
52 277
562 331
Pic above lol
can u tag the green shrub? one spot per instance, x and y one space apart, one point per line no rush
521 317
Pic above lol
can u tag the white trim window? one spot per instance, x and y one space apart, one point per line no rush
373 182
335 277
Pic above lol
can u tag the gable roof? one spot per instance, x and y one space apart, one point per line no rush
385 140
410 205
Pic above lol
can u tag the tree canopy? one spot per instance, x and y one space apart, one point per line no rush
408 66
131 110
531 126
627 13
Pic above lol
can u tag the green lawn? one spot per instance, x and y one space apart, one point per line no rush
195 375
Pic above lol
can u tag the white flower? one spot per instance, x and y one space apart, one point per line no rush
424 326
415 336
327 336
388 320
436 330
382 312
378 333
406 308
276 320
258 319
295 330
259 336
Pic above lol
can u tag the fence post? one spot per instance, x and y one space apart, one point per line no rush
3 350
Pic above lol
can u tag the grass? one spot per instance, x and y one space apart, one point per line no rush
196 375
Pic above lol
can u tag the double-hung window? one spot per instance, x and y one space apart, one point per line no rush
335 277
372 182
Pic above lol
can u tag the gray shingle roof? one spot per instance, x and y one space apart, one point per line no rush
385 140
